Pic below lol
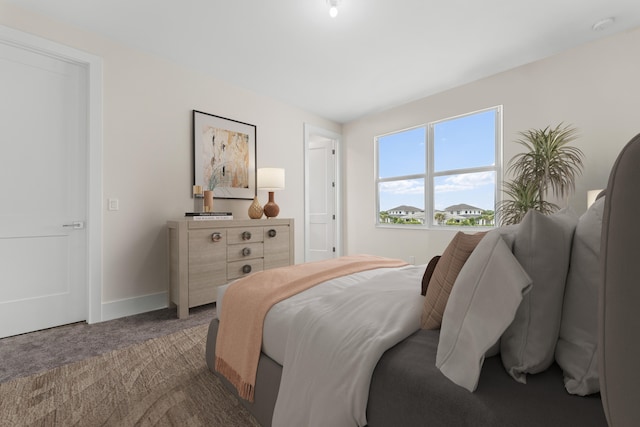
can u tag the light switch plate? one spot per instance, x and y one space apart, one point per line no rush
113 204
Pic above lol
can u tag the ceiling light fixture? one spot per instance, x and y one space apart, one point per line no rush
333 7
603 24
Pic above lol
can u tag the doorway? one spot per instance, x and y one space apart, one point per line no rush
50 179
322 194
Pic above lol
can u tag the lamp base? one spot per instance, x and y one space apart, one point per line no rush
271 209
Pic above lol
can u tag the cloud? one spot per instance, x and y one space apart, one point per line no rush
408 186
464 182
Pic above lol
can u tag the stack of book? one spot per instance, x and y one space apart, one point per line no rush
204 216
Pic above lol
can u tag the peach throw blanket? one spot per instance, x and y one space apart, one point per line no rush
247 301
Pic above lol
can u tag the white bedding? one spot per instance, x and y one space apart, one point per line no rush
335 343
279 319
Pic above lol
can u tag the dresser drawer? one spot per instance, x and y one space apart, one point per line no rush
245 251
238 269
244 235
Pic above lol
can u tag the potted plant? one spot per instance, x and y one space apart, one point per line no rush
549 165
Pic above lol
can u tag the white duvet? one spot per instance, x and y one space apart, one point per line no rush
335 343
279 319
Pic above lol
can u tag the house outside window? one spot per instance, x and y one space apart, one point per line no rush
443 174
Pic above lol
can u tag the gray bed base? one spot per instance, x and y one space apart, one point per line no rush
267 380
408 390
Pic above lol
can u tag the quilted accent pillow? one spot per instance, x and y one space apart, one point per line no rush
482 304
444 276
426 277
543 248
576 352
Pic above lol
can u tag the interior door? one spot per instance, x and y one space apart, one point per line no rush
321 199
43 160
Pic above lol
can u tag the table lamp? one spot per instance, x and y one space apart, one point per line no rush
271 179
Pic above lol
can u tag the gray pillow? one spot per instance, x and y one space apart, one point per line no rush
543 248
483 302
508 234
576 352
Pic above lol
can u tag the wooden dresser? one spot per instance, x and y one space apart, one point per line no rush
206 254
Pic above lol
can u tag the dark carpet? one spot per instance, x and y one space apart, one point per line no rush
162 381
27 354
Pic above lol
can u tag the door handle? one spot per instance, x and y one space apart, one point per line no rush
76 225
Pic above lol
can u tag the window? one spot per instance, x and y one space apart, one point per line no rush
443 174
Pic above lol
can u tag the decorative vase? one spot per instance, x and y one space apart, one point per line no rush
208 201
255 209
271 209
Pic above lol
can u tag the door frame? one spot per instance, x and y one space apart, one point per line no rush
309 132
93 66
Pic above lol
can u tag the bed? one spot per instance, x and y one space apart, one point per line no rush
469 374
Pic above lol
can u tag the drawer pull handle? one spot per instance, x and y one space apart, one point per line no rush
246 251
272 233
246 269
246 235
216 237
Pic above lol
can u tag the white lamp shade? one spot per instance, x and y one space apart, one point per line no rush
271 179
591 197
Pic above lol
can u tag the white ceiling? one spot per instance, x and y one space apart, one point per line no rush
374 55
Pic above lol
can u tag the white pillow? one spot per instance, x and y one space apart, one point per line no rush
483 302
576 352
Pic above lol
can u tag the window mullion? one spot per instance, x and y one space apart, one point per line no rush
401 178
462 171
429 187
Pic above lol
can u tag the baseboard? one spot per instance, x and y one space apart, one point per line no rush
130 306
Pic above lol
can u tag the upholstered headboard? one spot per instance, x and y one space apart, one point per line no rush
619 309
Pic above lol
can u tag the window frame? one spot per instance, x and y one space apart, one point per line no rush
430 175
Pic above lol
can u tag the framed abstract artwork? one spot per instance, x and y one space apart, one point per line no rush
224 156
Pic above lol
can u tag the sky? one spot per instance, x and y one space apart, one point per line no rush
459 143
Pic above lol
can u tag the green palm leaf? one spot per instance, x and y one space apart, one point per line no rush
548 165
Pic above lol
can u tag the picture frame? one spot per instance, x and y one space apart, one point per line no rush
224 156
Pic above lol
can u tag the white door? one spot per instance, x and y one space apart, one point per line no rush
43 160
321 197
